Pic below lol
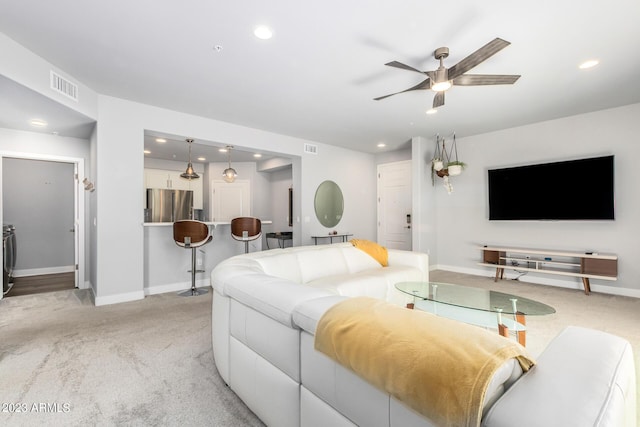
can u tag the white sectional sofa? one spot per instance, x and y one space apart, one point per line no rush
266 306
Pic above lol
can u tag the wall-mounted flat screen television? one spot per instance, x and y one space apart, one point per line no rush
580 189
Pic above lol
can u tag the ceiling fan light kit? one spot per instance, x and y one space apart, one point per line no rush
441 79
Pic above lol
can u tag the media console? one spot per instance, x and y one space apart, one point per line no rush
575 264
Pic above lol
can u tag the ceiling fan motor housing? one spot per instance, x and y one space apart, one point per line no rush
441 53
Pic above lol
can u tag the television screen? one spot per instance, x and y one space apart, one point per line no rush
570 190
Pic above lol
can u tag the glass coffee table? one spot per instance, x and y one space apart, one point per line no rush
481 307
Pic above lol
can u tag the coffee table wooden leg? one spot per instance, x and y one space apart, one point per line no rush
503 330
521 335
410 305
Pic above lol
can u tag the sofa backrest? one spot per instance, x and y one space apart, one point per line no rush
308 263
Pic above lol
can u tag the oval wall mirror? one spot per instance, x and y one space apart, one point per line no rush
329 204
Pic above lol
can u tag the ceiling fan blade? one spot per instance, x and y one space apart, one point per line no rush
480 55
397 64
425 84
485 79
438 100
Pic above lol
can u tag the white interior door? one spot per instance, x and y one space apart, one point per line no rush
394 205
230 199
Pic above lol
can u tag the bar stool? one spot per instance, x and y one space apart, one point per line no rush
246 229
189 234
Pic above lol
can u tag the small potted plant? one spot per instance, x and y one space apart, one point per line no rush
456 167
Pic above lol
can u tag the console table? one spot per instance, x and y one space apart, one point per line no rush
586 265
281 236
344 237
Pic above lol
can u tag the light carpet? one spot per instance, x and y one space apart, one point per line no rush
64 361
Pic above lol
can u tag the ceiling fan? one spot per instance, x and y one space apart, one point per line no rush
443 78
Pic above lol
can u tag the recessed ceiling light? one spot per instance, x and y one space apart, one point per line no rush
432 111
263 32
257 155
38 123
588 64
147 152
222 150
202 159
161 140
381 145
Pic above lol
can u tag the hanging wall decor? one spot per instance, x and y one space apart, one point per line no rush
445 163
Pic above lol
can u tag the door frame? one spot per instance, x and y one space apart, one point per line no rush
79 205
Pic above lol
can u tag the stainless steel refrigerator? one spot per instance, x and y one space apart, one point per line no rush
169 205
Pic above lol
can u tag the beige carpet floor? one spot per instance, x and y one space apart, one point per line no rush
150 362
65 362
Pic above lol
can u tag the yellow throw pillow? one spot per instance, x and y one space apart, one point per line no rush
379 253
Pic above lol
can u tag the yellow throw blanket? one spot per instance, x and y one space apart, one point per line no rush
379 253
437 366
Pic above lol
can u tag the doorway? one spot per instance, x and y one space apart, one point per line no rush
394 205
42 200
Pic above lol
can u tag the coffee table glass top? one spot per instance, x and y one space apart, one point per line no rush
474 298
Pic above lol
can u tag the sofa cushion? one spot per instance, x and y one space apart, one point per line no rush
272 296
378 283
321 263
281 264
357 259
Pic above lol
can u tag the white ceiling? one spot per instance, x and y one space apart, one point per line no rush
317 77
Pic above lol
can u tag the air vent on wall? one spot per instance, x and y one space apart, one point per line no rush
64 86
310 149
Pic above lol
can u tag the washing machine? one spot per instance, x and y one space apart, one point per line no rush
8 255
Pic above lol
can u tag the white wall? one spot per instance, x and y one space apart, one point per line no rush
462 218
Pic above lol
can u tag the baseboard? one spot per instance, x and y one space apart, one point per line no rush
118 298
133 296
611 290
175 287
43 271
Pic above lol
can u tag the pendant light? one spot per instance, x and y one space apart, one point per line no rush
189 173
229 174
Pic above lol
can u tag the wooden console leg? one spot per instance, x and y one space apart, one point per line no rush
497 274
587 286
410 305
521 335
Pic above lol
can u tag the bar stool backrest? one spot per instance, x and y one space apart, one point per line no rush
245 229
190 233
